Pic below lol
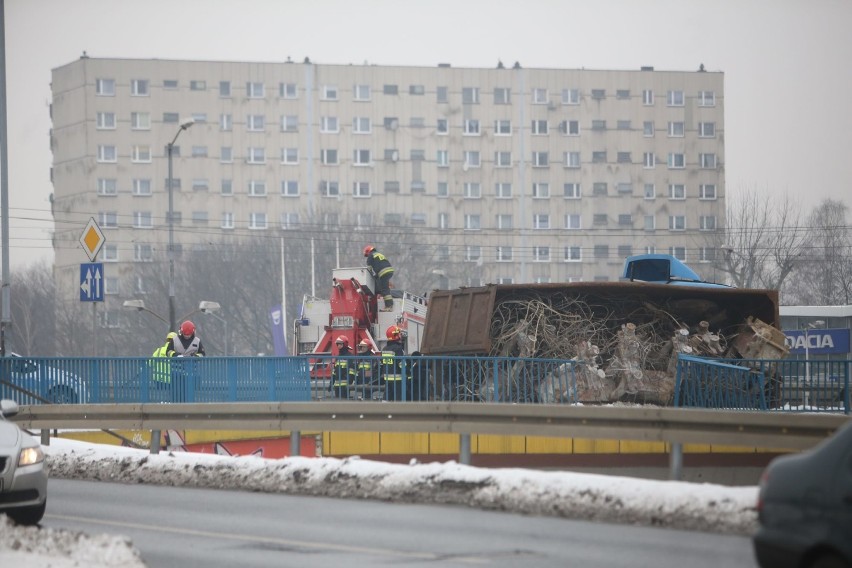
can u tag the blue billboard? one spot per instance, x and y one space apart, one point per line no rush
819 341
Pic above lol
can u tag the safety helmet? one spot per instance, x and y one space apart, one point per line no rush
342 339
394 333
187 328
364 344
368 249
171 335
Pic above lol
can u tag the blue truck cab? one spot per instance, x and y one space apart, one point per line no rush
663 269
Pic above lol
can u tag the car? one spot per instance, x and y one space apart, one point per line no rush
32 381
805 507
23 476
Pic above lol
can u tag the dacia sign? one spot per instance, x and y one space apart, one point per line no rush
819 341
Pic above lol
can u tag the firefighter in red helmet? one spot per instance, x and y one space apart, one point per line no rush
344 373
184 344
381 268
392 365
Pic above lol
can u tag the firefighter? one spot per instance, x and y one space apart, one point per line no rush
344 373
392 366
185 344
366 368
162 368
381 268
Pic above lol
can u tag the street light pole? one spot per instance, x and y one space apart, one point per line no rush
809 327
170 151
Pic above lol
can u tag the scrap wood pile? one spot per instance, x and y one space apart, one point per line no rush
623 349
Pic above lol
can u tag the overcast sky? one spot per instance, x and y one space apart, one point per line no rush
788 81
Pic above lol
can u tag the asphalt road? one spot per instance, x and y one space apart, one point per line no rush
183 527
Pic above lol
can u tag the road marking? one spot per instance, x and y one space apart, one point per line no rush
274 540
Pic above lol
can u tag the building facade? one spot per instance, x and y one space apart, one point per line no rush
511 174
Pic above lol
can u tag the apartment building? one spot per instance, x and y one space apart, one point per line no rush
511 174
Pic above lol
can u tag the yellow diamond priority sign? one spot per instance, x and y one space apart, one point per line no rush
92 239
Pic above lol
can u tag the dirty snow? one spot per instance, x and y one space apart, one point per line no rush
604 498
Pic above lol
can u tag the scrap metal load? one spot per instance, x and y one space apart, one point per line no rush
623 337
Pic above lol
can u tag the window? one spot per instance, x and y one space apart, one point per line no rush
362 92
442 158
139 87
288 91
199 116
502 96
570 127
570 96
329 157
418 186
140 120
472 190
571 191
541 221
541 254
200 217
362 158
391 123
706 98
648 97
675 98
106 153
503 190
111 285
418 218
572 159
417 122
200 184
678 252
503 222
539 127
601 251
539 96
256 122
472 253
108 219
171 117
708 223
442 127
624 158
707 129
600 219
624 251
625 220
417 90
648 129
226 187
442 94
470 95
442 189
443 220
198 85
199 151
676 129
289 188
363 220
109 253
393 219
650 191
224 89
677 161
361 189
707 191
472 223
256 156
329 93
329 188
599 188
143 252
329 124
598 124
540 159
572 221
541 190
598 94
361 125
677 191
390 89
254 90
623 125
257 221
677 222
649 160
624 188
141 186
573 254
599 157
107 186
226 122
471 159
289 155
257 188
105 87
707 254
504 254
226 154
622 94
650 222
707 161
503 159
175 184
227 220
105 121
471 128
502 127
141 154
651 249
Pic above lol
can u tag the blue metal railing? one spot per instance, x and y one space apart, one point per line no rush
765 384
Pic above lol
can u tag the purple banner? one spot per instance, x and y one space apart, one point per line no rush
279 335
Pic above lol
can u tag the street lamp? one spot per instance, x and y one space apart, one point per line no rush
139 306
170 150
809 327
205 306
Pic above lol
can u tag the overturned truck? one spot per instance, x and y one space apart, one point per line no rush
621 339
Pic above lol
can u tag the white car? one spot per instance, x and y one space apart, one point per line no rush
23 477
31 381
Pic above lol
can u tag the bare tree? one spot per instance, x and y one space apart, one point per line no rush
32 298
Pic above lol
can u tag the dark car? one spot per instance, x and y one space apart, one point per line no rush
805 507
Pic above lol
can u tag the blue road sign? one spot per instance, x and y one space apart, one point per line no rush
91 282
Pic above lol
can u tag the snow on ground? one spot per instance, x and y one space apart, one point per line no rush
604 498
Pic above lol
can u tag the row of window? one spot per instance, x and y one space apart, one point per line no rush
105 120
470 190
141 154
106 87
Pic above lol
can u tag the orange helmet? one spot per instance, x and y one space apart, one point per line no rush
364 344
342 339
187 328
394 333
368 249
